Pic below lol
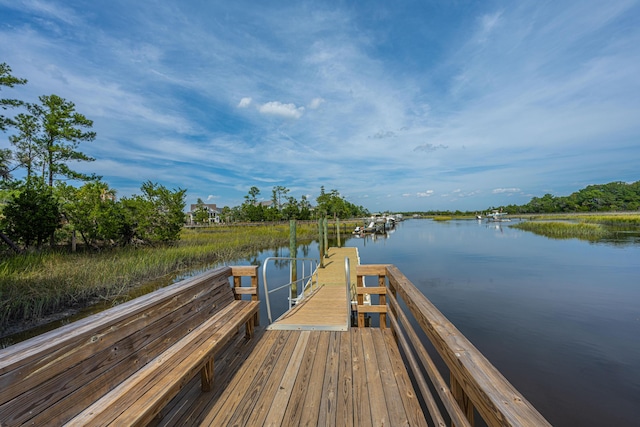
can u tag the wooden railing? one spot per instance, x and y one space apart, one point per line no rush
475 385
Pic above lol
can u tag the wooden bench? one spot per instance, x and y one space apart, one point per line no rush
121 366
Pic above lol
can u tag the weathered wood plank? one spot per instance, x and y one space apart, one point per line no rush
328 399
372 308
270 344
344 406
122 347
407 395
311 407
188 407
390 387
239 404
286 387
267 392
26 351
293 411
361 404
371 269
379 412
138 399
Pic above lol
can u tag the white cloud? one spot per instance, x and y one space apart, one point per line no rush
427 193
244 102
505 190
276 108
315 103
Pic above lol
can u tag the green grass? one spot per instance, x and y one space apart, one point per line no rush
564 230
36 284
623 218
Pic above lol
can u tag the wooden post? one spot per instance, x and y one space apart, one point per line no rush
247 271
73 241
360 298
338 231
326 238
383 302
321 242
206 376
293 252
463 400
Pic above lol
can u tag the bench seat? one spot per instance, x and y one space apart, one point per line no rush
124 364
141 397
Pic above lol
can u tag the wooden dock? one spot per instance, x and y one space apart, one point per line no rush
313 368
327 309
311 372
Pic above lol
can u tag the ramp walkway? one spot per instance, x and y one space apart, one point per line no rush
327 308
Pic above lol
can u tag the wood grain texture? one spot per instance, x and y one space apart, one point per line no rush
53 377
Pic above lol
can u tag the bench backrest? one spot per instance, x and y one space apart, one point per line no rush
66 369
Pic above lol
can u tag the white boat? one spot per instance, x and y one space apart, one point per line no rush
497 216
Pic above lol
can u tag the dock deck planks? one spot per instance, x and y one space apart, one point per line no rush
311 369
314 377
327 308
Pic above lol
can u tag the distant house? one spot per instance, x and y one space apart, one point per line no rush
212 211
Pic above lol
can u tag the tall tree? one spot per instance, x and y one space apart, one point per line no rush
279 192
28 152
8 80
62 131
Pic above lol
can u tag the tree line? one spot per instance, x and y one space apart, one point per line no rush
41 208
614 196
283 206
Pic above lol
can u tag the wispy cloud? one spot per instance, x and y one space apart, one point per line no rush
275 108
526 99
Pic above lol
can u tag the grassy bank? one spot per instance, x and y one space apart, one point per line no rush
621 218
564 230
590 227
36 284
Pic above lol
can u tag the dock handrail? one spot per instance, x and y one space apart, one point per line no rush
307 280
475 384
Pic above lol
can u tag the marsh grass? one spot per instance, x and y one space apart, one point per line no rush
622 218
33 285
564 230
442 218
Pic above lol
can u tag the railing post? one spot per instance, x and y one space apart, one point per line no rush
325 228
293 249
463 400
383 302
247 271
392 308
321 242
255 297
360 297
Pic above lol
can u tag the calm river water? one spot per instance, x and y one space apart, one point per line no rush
559 318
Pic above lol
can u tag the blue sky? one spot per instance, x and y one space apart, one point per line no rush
412 105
